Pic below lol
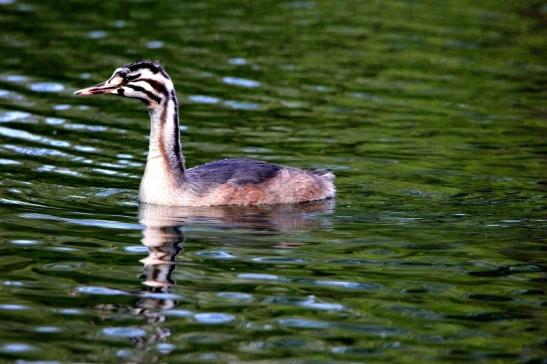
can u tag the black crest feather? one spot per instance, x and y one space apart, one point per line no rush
153 66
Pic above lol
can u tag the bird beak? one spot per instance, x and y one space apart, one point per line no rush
101 88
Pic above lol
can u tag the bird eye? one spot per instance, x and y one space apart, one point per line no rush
133 77
122 74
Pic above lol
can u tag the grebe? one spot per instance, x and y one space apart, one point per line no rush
232 181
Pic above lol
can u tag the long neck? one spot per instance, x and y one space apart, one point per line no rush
164 145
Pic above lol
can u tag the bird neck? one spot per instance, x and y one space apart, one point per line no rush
164 149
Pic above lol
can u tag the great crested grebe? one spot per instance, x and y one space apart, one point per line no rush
232 181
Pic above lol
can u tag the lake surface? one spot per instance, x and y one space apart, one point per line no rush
432 117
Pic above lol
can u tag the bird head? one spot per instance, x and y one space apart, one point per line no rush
144 80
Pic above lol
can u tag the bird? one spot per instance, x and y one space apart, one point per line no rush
233 181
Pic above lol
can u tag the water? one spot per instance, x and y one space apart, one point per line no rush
432 118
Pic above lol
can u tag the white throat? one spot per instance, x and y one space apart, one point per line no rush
163 177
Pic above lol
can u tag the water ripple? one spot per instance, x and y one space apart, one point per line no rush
39 152
70 311
136 249
27 242
309 302
216 254
242 105
88 149
236 296
312 303
348 285
17 348
243 82
154 44
47 87
160 296
88 127
178 313
13 307
60 170
12 283
10 162
165 348
258 276
203 99
106 224
278 260
123 331
25 135
95 290
7 116
120 23
15 78
97 34
61 107
213 318
47 329
238 61
301 323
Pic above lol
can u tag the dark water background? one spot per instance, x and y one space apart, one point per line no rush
432 116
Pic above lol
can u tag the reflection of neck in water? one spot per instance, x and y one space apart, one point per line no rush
162 236
163 247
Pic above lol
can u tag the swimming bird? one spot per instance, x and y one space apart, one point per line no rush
234 181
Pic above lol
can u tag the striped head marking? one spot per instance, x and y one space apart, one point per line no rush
143 80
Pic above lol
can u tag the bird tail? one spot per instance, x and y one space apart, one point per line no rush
324 173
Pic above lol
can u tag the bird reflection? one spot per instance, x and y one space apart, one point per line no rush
164 238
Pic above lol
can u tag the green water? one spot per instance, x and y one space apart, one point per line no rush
431 115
